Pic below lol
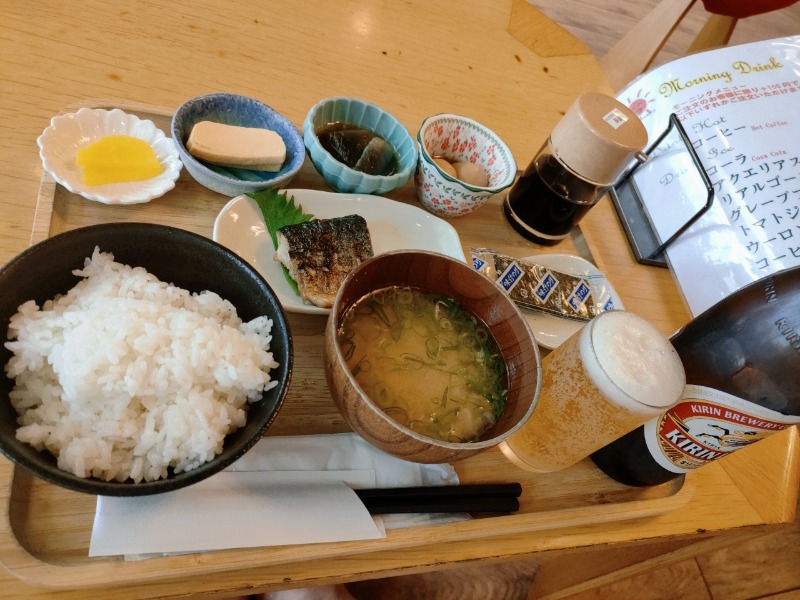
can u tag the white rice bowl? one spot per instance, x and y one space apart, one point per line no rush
125 376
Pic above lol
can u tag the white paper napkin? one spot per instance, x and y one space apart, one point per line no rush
285 490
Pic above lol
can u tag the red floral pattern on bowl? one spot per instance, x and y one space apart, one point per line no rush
456 138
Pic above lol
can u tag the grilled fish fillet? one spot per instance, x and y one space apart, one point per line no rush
320 253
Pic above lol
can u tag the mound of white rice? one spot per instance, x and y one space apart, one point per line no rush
125 375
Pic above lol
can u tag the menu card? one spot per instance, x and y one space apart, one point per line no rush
740 107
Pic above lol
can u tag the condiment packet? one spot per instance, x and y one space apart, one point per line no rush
535 287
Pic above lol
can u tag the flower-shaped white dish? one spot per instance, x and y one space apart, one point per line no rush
392 226
551 331
67 134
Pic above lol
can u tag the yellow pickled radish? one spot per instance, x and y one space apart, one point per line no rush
117 159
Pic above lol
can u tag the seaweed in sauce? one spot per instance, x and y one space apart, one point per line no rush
358 148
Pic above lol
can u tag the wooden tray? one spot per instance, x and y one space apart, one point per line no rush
45 530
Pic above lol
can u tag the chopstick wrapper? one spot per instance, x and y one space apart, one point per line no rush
285 490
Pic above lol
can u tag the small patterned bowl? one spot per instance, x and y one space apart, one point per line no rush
67 134
361 114
232 109
457 138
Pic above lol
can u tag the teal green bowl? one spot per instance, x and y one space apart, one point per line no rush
368 116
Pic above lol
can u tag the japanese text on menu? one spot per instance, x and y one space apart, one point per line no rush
740 107
759 191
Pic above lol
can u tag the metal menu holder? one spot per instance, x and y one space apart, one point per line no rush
659 199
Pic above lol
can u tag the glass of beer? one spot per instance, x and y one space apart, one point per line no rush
617 372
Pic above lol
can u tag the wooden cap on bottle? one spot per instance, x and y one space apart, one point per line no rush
598 138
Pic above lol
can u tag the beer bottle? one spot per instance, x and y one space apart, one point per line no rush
742 363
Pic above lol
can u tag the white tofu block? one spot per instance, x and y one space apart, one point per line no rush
239 147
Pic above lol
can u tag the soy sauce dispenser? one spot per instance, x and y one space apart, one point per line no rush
586 154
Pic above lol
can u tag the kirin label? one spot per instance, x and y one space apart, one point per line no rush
706 425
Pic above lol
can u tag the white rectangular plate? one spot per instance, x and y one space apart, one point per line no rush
392 225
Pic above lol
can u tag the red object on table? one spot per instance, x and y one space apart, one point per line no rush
741 9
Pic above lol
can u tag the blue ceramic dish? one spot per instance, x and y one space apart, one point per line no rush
232 109
368 116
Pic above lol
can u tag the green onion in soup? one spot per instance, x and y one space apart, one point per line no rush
426 362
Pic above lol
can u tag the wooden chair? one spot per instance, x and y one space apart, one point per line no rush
634 53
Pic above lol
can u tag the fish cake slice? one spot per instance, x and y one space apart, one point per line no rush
320 253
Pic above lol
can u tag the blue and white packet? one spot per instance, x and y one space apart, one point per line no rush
535 287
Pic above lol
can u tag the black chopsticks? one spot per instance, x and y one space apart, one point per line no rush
472 498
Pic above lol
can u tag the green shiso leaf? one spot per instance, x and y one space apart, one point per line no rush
279 210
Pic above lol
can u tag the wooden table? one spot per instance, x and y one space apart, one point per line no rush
501 63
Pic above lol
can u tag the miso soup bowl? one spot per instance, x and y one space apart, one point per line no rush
436 273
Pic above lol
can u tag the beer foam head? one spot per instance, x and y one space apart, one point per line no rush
632 362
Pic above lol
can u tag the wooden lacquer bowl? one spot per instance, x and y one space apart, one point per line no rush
483 298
